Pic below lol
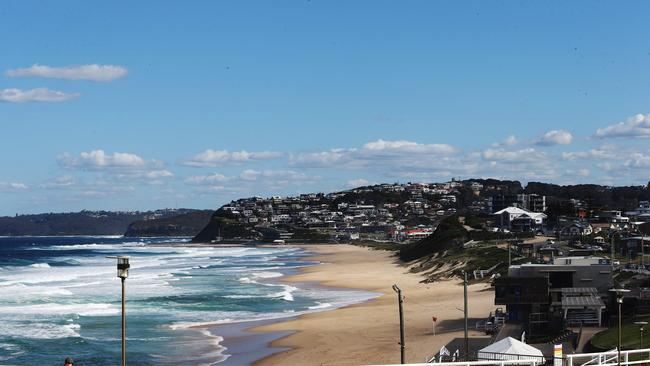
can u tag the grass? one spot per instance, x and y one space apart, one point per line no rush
630 337
393 247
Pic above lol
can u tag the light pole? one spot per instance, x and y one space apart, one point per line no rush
620 292
641 324
123 272
402 346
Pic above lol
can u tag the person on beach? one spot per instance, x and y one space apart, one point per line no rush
67 362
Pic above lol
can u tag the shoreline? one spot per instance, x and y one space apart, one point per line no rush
367 332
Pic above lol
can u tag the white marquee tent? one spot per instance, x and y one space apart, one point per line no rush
510 349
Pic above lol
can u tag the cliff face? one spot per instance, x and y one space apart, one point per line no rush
187 224
222 224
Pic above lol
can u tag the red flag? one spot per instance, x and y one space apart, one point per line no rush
434 319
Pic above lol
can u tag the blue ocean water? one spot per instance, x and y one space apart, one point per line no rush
59 297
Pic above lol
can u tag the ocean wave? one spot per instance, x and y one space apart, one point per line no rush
91 309
40 330
40 265
320 306
286 294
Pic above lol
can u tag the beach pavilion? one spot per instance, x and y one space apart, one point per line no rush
510 349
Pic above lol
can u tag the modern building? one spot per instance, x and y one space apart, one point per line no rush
520 220
567 291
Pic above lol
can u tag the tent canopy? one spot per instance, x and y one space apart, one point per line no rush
510 349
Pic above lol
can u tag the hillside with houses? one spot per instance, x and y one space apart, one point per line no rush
410 212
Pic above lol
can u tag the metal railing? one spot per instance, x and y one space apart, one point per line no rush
478 363
609 358
631 357
496 356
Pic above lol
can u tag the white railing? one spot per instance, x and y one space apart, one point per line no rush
609 358
478 363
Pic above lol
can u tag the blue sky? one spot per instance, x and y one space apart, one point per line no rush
149 104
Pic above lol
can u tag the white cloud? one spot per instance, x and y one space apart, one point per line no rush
403 146
213 158
206 179
521 155
603 152
13 186
35 95
59 182
375 153
510 141
98 159
353 183
249 174
154 176
555 137
637 126
93 72
638 161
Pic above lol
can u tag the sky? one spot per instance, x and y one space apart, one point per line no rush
136 105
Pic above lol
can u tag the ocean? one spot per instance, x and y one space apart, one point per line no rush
60 297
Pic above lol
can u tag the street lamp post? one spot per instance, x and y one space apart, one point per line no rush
402 346
641 324
620 292
123 272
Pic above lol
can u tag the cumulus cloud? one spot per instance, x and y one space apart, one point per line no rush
153 176
13 186
98 159
353 183
275 175
555 137
213 158
638 161
249 174
206 179
527 154
375 153
510 141
404 146
637 126
603 152
92 72
13 95
59 182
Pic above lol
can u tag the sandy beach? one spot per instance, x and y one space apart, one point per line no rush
368 333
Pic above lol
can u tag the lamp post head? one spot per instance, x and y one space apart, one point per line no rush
122 266
620 292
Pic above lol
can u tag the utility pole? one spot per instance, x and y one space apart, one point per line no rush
509 255
402 346
642 253
465 311
612 254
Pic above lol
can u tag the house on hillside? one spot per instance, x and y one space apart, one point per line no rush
519 220
578 228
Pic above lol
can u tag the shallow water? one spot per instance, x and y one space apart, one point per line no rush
59 296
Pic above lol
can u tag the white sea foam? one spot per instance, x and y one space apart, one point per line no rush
91 309
267 274
286 294
39 330
320 306
40 265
